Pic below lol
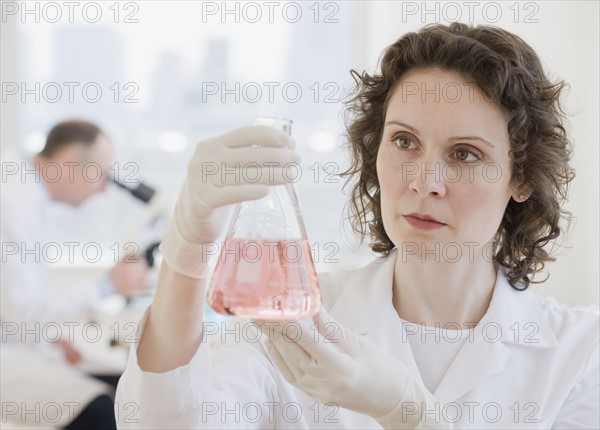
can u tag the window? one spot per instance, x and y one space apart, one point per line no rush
160 76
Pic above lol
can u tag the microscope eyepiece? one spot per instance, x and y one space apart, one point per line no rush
142 192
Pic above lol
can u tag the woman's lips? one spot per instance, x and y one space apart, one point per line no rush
423 224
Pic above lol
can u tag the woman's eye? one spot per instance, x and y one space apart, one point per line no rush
402 142
463 155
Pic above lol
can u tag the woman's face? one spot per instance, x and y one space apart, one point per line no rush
444 153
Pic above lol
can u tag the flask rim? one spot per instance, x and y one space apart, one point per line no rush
273 119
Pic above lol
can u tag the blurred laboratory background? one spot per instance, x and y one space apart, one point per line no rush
171 75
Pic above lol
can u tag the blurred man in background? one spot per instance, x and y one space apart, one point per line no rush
30 304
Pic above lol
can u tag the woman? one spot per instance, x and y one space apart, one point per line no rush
461 163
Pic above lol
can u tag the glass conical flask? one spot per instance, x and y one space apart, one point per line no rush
265 269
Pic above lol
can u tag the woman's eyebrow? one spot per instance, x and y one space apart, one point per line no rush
415 131
481 139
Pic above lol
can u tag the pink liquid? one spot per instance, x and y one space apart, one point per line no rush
265 279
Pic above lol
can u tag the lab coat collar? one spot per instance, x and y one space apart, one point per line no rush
519 315
369 289
513 317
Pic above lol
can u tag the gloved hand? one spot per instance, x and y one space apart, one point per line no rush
228 169
333 364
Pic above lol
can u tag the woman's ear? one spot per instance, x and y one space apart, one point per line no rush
521 195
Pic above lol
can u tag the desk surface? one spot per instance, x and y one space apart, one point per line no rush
104 340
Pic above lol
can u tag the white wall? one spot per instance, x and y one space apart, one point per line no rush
566 38
8 72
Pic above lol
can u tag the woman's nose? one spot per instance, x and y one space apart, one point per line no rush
427 179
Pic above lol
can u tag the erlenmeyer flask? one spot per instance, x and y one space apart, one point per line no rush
265 269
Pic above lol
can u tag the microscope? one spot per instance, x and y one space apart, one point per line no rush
148 226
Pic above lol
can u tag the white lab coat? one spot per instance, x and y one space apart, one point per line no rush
530 364
34 375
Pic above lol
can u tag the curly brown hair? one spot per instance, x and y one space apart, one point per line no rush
508 71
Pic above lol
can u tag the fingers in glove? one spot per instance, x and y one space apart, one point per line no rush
320 379
327 327
236 194
260 135
258 155
293 362
280 363
347 341
305 343
289 361
218 176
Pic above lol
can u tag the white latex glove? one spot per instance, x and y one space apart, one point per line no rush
212 184
332 364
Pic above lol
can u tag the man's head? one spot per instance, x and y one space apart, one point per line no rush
75 161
